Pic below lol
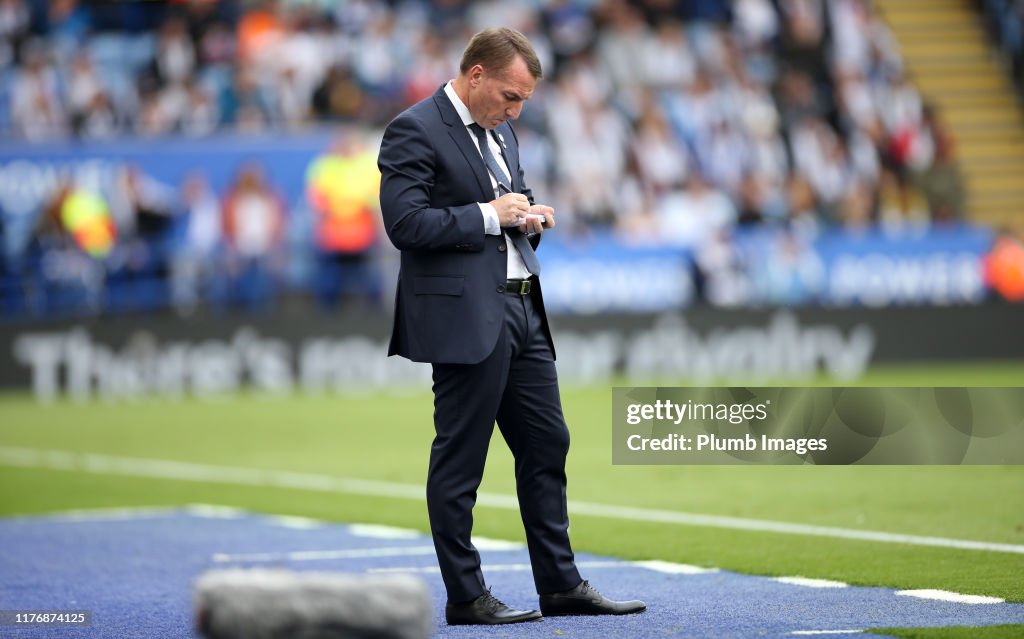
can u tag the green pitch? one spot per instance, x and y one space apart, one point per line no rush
386 437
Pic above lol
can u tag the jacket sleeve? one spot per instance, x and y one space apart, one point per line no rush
407 164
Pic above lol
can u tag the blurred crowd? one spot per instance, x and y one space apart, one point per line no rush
668 121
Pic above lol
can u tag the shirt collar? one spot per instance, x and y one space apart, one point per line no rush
460 107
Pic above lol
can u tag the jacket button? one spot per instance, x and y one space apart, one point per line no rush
501 288
501 247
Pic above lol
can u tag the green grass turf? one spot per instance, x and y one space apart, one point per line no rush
387 437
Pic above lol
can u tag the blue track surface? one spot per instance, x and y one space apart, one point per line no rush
135 573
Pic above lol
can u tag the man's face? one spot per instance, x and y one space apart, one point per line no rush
498 96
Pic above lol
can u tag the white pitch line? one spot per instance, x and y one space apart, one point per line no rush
481 543
214 511
188 471
318 555
100 514
486 543
129 513
672 568
945 595
503 567
810 583
429 570
374 531
296 523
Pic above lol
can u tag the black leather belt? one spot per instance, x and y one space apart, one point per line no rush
518 287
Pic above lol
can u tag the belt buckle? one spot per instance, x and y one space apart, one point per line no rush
524 287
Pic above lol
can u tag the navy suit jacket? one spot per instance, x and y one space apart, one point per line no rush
449 307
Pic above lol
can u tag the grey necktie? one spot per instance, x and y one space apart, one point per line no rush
520 241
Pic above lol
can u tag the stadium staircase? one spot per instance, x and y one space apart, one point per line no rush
955 66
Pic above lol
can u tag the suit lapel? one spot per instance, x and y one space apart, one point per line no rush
460 136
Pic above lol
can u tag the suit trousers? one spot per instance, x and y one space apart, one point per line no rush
517 386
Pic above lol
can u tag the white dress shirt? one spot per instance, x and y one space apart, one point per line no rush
516 269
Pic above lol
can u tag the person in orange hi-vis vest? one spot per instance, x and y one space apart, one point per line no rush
341 188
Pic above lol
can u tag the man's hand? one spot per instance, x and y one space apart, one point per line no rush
540 217
510 207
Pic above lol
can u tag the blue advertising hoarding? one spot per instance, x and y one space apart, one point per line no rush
29 173
591 274
936 267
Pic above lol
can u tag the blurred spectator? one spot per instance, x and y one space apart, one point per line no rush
791 272
339 96
155 115
431 68
297 65
175 59
253 230
68 23
293 103
660 162
855 208
623 44
695 109
822 157
342 187
14 28
203 16
756 22
666 59
570 27
216 45
803 42
200 114
98 120
721 151
722 276
691 217
805 215
37 109
934 165
138 268
752 201
243 103
195 276
799 98
376 56
82 86
901 205
63 266
900 107
591 139
92 112
142 206
258 31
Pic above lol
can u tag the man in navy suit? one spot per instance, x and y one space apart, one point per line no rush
469 302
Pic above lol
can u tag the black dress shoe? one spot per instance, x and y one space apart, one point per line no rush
486 609
585 600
